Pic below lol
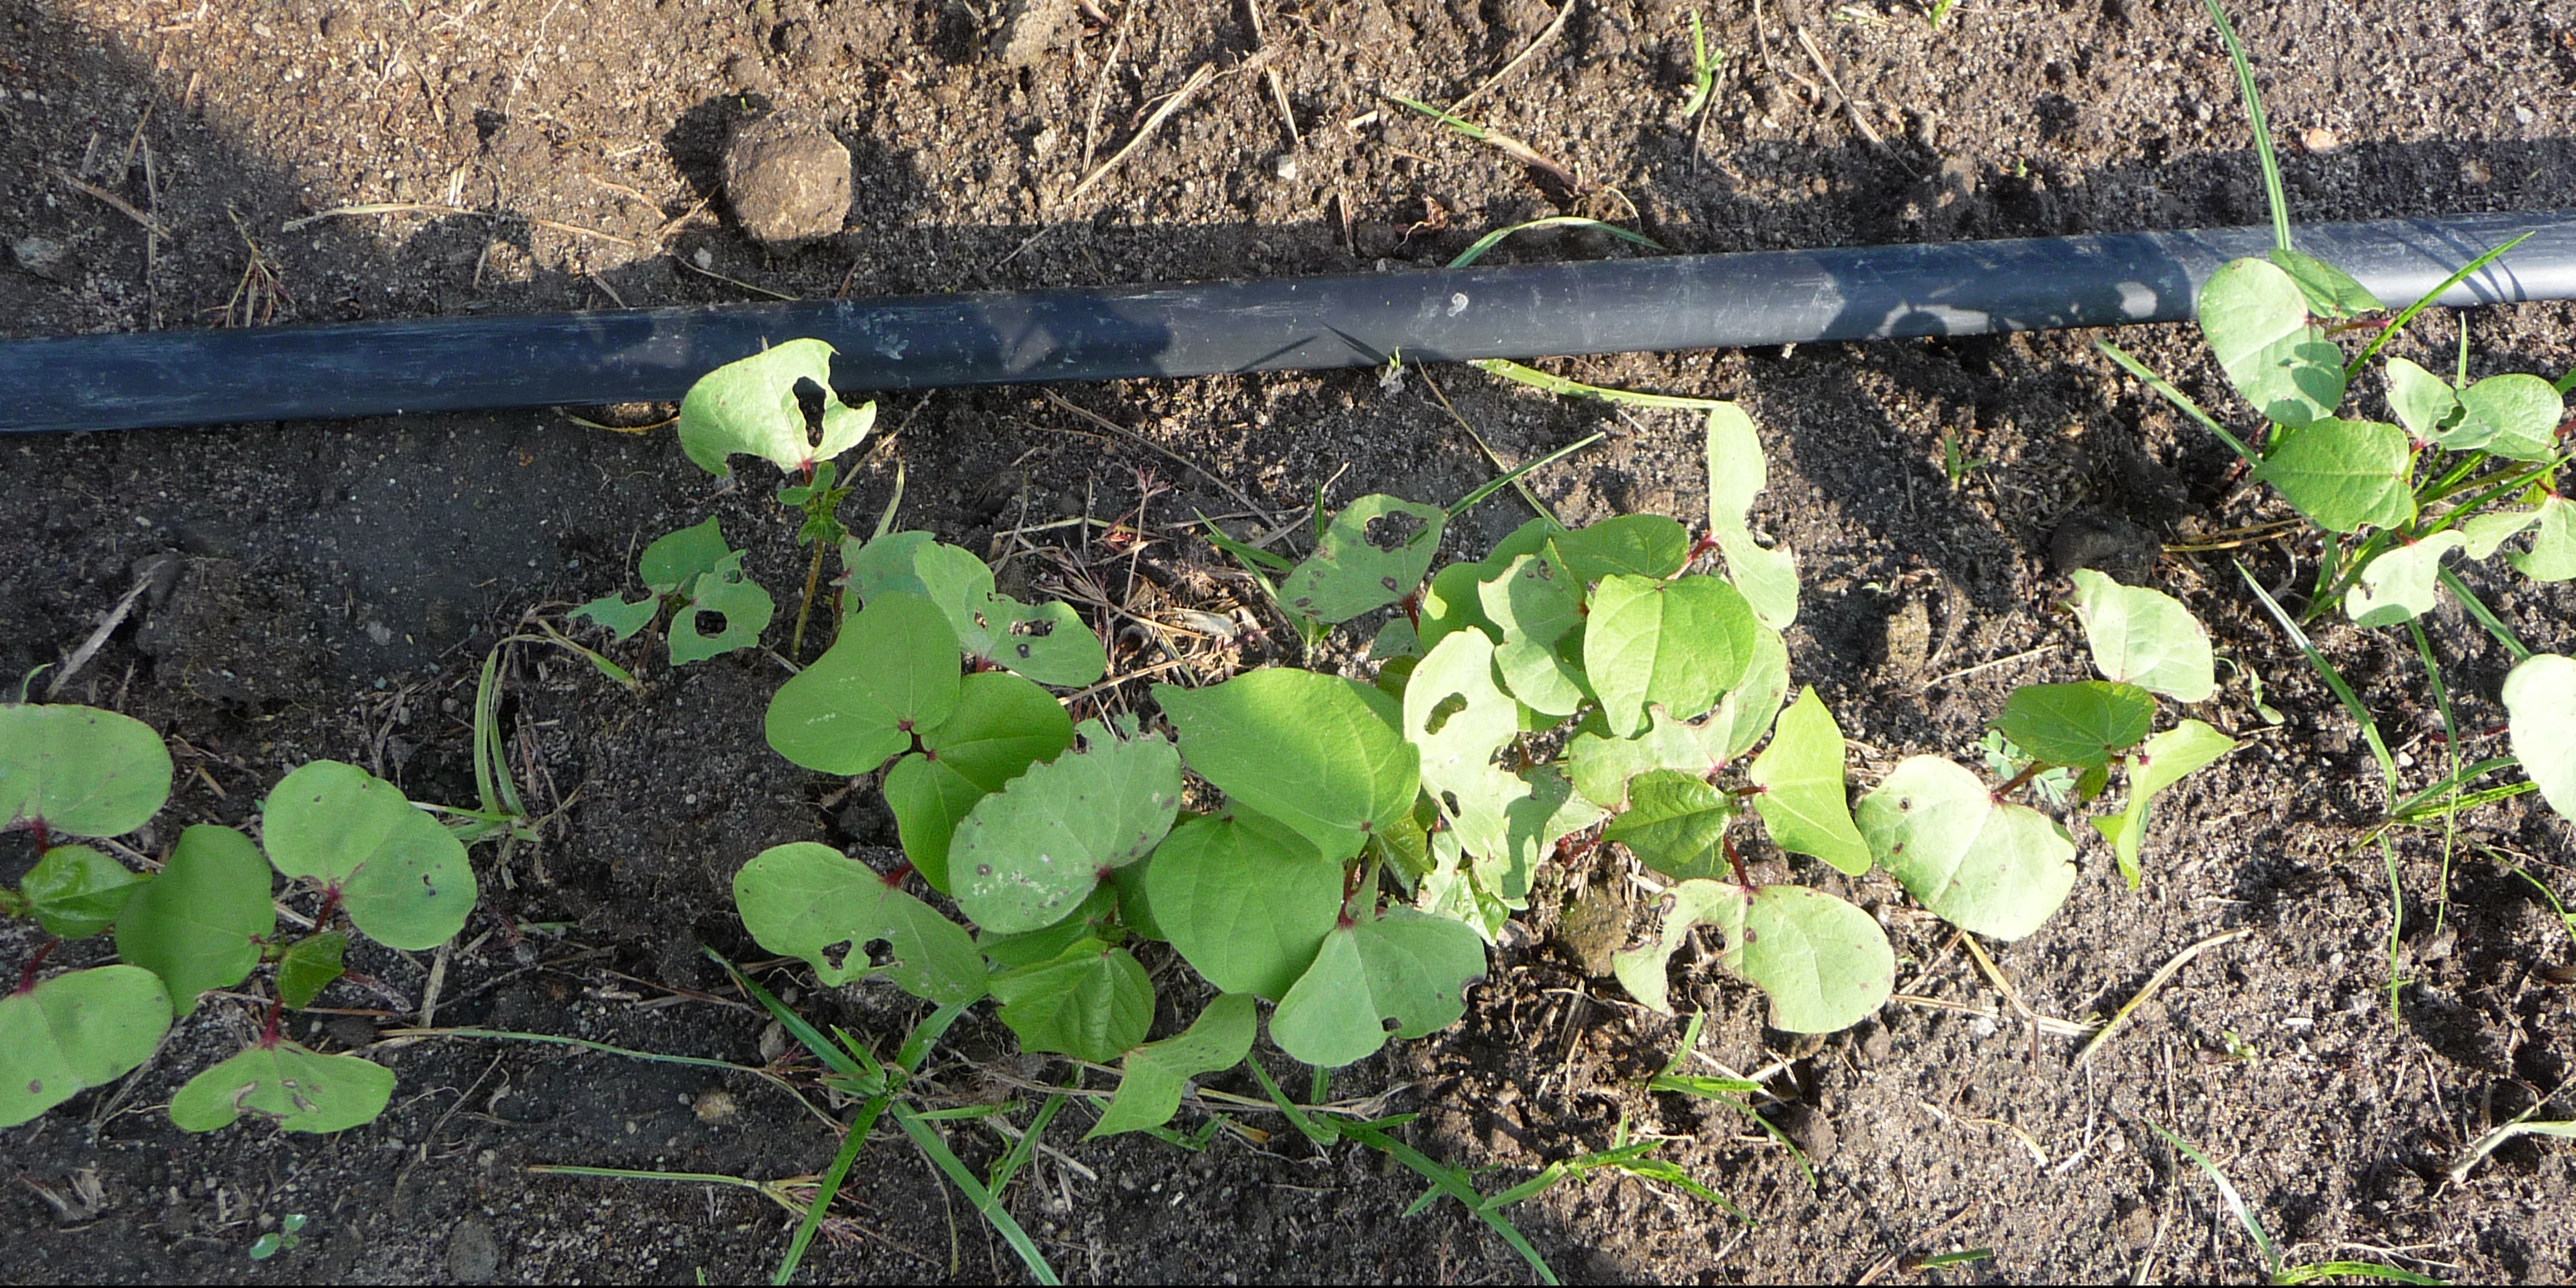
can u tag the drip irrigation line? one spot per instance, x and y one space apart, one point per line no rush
1757 298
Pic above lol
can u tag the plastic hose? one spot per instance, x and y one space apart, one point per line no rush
135 381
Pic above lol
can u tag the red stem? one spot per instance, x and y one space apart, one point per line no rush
27 973
895 878
268 1032
2033 770
1742 877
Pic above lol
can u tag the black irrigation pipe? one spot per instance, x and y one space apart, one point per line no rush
162 378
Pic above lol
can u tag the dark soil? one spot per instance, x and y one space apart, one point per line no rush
330 590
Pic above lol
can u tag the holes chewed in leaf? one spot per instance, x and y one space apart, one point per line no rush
1391 532
880 952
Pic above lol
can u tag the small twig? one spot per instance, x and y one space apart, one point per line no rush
1142 441
1988 666
98 638
437 981
2157 981
1174 102
683 261
1817 57
152 226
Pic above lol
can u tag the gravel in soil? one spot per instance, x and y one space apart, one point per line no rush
330 590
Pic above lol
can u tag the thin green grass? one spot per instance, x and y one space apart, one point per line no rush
2273 1268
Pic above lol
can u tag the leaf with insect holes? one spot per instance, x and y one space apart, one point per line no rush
2256 319
1824 963
2398 585
76 891
1452 890
198 923
2514 416
1245 899
750 408
309 967
2540 713
2330 291
2423 402
1373 553
1459 720
806 900
2144 637
2080 725
892 671
1989 867
1634 545
81 770
2156 765
2343 474
1027 854
675 558
1317 752
1403 974
298 1089
1737 473
2553 543
1153 1076
1536 604
1679 643
403 879
1803 803
76 1031
730 594
1001 725
1602 767
1092 1003
1676 824
1047 643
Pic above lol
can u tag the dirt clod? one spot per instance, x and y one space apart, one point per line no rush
473 1254
789 181
2105 542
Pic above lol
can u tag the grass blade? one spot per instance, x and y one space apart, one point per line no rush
2398 324
1492 239
1455 1183
1010 1163
2178 398
2342 691
2352 1270
2235 1201
805 1034
1307 1125
2272 193
2484 616
946 1160
852 1141
1564 388
1477 497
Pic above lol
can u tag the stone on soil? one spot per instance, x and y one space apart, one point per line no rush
789 181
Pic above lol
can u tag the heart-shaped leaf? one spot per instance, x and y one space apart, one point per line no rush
2513 416
1748 709
403 878
298 1089
2343 474
2256 318
2144 637
1153 1075
1403 974
309 967
76 1031
2553 543
2157 765
892 671
1002 724
621 618
1825 964
807 900
1093 1003
2488 532
1090 920
1026 855
1535 604
2398 585
1675 825
1678 643
76 891
1245 899
84 771
2080 725
727 592
1634 545
675 558
1803 802
2423 402
1316 752
1047 643
1372 554
1602 767
198 924
1986 866
2330 291
2540 712
750 407
1459 719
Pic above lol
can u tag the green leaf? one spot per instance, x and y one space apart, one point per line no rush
1825 964
892 671
1634 545
309 967
621 618
1374 553
886 564
1986 866
730 593
1602 766
1678 643
1047 643
2144 637
1454 602
2343 474
1406 967
1310 750
2330 291
1767 578
2423 402
76 891
1458 719
1091 920
1026 855
1676 825
1737 472
2256 318
76 1031
1545 811
403 878
675 558
2553 543
806 900
1452 890
2159 764
1151 1080
1748 709
1002 724
300 1090
197 924
2397 586
2513 416
2540 711
1535 604
749 407
84 771
2488 532
1803 802
1093 1003
2082 724
1245 899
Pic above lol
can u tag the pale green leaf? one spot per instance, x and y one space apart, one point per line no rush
806 900
298 1089
676 557
198 924
1026 855
1313 751
1245 899
1601 766
2256 319
1458 719
84 771
1451 889
2144 637
1737 472
1748 709
403 878
2424 402
1153 1076
730 594
2540 710
2553 543
621 618
1092 1003
1047 643
2330 291
76 1031
1372 554
2343 474
76 891
1987 866
1824 963
1678 643
1803 802
2398 585
1002 724
1406 967
1634 545
1767 578
1676 825
750 407
2081 725
2488 532
2513 416
1535 604
892 671
2153 767
309 967
887 564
